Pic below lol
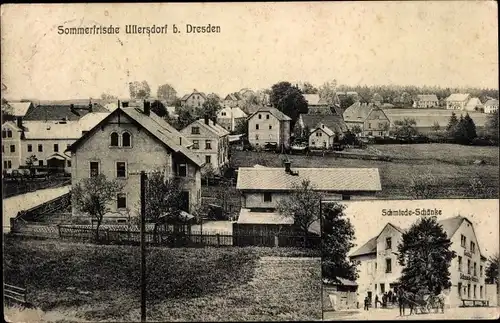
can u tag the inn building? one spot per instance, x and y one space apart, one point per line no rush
379 270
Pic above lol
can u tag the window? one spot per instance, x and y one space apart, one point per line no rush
94 169
268 197
4 134
270 127
472 247
208 144
30 148
267 116
208 159
121 201
40 163
256 137
56 148
9 134
7 164
40 148
67 146
223 114
3 149
126 139
114 139
257 126
459 264
196 144
182 170
463 240
480 271
69 163
468 266
459 289
195 130
475 271
121 169
369 125
475 291
388 243
480 291
260 116
12 148
388 265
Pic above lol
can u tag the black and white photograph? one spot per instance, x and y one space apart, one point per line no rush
421 260
190 161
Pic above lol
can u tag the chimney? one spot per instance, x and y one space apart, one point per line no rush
19 122
288 167
206 120
90 107
180 141
147 107
214 120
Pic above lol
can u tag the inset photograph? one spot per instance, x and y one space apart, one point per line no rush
402 259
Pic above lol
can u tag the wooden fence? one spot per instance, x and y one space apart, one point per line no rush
15 293
162 238
13 187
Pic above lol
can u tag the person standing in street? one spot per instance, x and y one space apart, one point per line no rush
367 300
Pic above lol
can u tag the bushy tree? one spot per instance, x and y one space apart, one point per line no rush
159 108
425 255
337 235
7 111
308 88
94 195
356 130
108 97
209 109
492 274
302 205
241 127
347 101
185 118
30 162
328 92
435 126
452 122
470 128
289 100
492 126
139 90
405 128
167 93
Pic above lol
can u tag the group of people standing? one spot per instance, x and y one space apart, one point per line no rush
387 297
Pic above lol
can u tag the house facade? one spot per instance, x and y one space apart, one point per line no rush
116 147
426 101
11 145
269 125
379 270
491 106
317 105
210 142
474 104
371 120
323 129
229 117
457 101
193 100
232 100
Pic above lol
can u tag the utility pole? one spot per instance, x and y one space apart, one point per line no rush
143 246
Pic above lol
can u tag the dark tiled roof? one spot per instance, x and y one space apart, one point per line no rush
427 97
61 111
334 122
275 112
367 248
358 112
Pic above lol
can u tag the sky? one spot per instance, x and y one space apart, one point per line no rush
445 43
368 221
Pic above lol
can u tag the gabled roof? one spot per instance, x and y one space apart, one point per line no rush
233 96
275 112
321 179
334 122
185 97
325 129
19 109
491 102
213 127
314 99
155 125
235 112
474 102
358 112
61 111
371 246
458 97
427 97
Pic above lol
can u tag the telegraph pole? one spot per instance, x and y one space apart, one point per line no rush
143 246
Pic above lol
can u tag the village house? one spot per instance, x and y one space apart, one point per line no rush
317 105
193 100
116 147
269 125
232 100
426 101
369 118
246 93
457 101
210 142
229 117
11 145
323 129
339 294
474 104
491 106
379 269
262 188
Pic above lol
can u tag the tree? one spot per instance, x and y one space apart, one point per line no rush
163 199
425 255
289 100
93 196
241 127
177 102
356 130
159 108
337 239
347 102
470 128
209 109
406 99
207 172
405 128
185 118
308 88
452 122
492 274
7 111
460 131
492 126
139 90
108 97
328 92
30 162
436 126
167 93
302 205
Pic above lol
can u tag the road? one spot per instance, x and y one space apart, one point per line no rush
14 204
393 314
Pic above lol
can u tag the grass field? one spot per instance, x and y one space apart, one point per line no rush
450 165
96 283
